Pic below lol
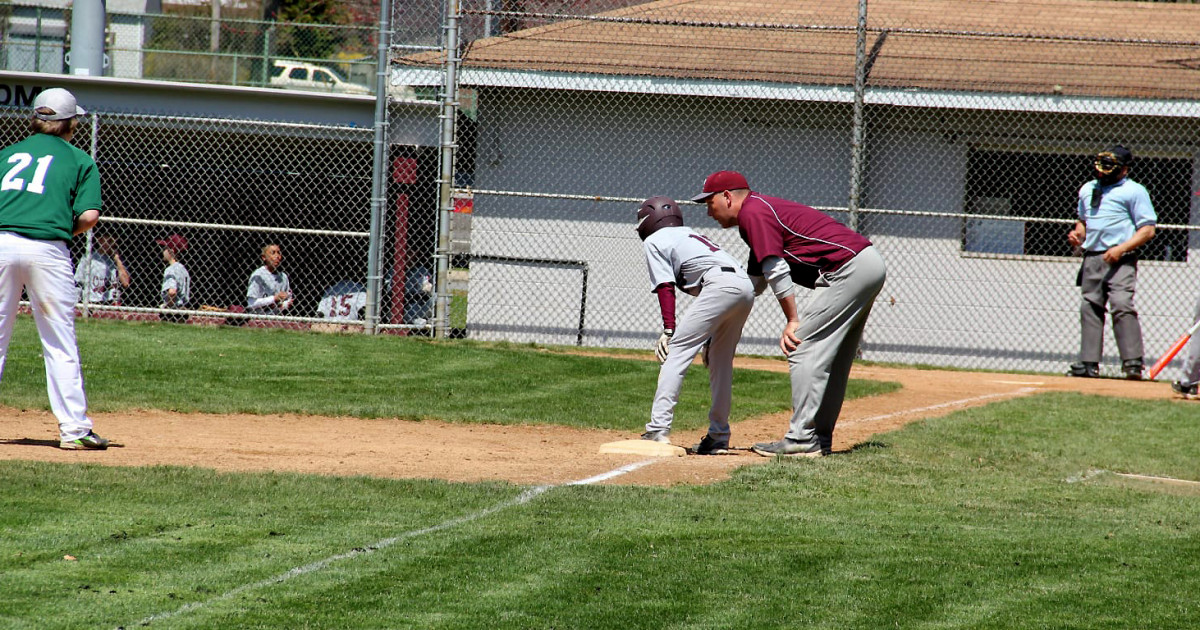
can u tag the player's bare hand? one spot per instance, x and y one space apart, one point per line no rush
1075 238
1113 255
789 341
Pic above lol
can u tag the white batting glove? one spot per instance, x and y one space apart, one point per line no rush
661 349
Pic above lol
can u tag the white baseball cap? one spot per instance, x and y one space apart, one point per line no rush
60 102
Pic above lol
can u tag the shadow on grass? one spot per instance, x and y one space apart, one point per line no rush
869 445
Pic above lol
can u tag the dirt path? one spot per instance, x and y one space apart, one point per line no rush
521 454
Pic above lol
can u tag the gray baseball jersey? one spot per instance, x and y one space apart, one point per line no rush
176 276
96 277
724 297
264 284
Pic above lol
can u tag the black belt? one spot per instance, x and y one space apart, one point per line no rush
725 269
1130 256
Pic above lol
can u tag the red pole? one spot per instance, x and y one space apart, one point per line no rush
404 175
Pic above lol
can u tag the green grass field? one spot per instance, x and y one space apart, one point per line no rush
1005 516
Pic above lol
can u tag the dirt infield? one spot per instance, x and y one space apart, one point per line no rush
520 454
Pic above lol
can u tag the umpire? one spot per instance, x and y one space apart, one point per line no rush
1115 218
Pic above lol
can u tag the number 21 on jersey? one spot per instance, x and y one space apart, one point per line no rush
20 162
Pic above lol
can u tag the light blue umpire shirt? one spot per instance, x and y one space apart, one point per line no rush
1124 208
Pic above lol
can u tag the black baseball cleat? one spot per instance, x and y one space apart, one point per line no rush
1084 369
710 446
1187 391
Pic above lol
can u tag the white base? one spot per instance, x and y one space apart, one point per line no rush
643 447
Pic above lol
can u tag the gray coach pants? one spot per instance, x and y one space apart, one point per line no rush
830 328
719 313
1115 285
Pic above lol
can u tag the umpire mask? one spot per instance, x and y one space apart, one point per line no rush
1110 166
656 213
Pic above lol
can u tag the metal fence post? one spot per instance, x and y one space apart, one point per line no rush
856 141
86 298
378 170
446 169
266 55
37 42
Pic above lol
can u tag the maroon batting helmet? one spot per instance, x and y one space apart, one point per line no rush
657 213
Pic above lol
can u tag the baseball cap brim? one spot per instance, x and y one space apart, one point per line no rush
703 196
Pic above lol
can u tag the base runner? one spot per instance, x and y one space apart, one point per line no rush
679 257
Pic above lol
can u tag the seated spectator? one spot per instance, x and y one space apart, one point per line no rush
177 283
101 275
269 292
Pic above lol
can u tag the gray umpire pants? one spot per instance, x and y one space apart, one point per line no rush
718 313
831 327
1103 283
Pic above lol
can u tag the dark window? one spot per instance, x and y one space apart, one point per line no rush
298 73
1045 185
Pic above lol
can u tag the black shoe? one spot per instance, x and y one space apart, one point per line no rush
1187 391
1132 369
1084 369
710 446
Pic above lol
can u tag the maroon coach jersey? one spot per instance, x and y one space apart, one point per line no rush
811 241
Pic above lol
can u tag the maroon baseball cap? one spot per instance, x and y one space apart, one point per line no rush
720 182
174 242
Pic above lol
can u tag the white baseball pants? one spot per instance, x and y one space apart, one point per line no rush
43 268
719 313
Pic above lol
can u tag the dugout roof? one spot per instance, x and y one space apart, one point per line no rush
1080 48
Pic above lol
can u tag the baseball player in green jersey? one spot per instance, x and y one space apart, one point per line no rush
49 192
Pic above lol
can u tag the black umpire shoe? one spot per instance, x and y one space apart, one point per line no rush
1132 369
1084 369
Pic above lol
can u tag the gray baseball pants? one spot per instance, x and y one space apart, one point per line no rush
1191 364
831 327
718 313
1103 283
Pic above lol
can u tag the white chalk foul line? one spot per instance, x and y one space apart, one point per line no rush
1097 472
952 403
523 498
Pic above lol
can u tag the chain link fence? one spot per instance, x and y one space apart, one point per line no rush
217 192
199 49
955 137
